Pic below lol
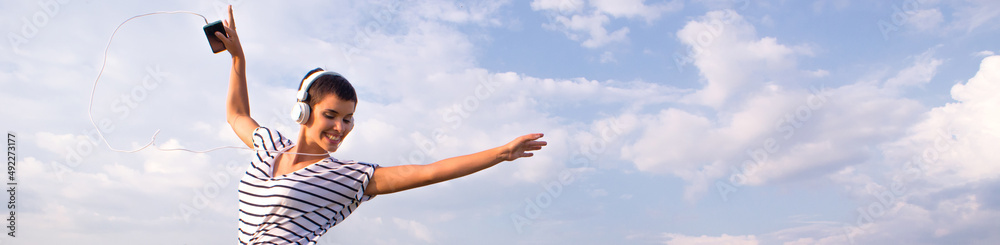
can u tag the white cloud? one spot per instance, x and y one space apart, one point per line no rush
418 230
724 4
681 126
904 222
481 12
972 14
636 8
843 131
854 114
595 35
591 29
927 16
945 148
608 57
984 53
563 6
923 69
731 57
967 124
926 19
818 73
679 239
939 174
752 84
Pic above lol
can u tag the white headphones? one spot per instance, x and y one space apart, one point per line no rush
300 112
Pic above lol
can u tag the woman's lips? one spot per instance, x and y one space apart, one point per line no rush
331 138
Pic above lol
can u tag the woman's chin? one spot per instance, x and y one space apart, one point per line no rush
331 148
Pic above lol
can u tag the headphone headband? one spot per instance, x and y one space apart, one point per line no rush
304 89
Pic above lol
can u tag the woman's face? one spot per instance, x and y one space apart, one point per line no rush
330 122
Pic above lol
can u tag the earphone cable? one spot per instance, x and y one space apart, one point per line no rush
152 140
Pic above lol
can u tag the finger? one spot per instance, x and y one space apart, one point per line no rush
533 144
232 21
230 32
527 154
222 38
530 137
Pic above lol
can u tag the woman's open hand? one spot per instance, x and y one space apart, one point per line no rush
232 41
521 146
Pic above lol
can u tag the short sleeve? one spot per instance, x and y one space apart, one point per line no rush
369 170
266 141
348 178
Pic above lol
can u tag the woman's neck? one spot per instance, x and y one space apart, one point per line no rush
303 147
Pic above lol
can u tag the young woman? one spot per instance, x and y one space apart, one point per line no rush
294 191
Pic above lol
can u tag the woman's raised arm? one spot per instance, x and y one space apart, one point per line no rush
237 101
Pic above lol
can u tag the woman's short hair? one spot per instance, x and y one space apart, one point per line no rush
329 84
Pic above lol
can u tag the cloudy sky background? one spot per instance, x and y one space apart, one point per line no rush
676 122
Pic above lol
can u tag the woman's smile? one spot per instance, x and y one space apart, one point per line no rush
332 138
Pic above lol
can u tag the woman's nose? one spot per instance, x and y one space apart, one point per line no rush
338 126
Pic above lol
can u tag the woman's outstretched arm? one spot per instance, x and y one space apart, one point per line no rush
237 101
399 178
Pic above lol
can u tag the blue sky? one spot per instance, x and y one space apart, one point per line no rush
668 122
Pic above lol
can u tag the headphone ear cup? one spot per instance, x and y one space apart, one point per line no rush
300 112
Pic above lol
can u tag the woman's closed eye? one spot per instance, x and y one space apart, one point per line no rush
332 117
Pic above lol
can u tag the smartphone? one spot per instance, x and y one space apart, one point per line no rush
210 29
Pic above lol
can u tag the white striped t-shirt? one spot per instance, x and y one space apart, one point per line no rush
296 208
